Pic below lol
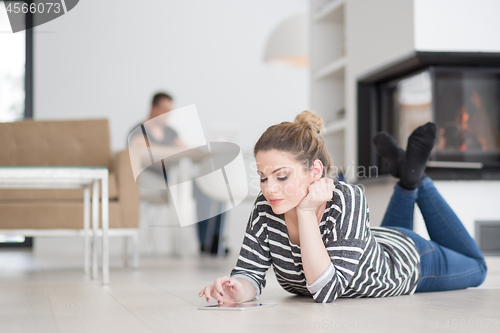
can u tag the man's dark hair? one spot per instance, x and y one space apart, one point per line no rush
159 96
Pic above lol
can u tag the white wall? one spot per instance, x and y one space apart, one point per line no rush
457 25
105 59
377 32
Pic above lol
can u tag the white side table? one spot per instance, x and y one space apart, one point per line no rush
86 178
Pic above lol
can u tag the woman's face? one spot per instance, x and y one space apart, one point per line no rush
283 181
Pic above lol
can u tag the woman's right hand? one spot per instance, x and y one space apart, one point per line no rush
224 290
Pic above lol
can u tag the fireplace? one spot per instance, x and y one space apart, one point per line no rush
460 92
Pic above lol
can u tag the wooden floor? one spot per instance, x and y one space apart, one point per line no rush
52 295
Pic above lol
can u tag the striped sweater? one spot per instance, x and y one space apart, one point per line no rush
365 261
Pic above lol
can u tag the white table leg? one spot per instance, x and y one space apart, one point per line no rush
126 261
173 176
95 226
105 227
135 249
187 199
86 230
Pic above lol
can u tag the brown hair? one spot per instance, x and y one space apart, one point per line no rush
159 96
301 139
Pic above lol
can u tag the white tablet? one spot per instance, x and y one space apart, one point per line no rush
238 306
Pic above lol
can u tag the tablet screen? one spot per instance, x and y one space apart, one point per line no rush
237 306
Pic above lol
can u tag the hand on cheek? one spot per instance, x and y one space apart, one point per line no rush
318 192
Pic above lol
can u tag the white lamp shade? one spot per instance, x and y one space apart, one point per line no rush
289 43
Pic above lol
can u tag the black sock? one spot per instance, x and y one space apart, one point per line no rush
390 151
420 144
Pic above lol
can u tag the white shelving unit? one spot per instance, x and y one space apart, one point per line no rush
328 71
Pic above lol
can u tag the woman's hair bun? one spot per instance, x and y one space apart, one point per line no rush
310 119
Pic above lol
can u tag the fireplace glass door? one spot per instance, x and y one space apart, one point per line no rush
463 102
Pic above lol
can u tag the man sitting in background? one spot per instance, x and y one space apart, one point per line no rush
161 135
164 138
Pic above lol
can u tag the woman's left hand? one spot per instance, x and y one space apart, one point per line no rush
319 192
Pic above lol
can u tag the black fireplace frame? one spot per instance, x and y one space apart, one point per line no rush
369 92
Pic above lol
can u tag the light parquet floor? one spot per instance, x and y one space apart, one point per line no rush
52 295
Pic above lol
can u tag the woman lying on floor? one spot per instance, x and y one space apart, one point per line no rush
316 233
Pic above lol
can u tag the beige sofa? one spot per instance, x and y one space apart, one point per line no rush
64 143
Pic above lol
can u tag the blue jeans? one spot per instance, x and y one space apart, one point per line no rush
451 259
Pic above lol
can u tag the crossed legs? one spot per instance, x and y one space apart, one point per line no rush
450 259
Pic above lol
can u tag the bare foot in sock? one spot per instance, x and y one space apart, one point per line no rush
389 150
420 144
